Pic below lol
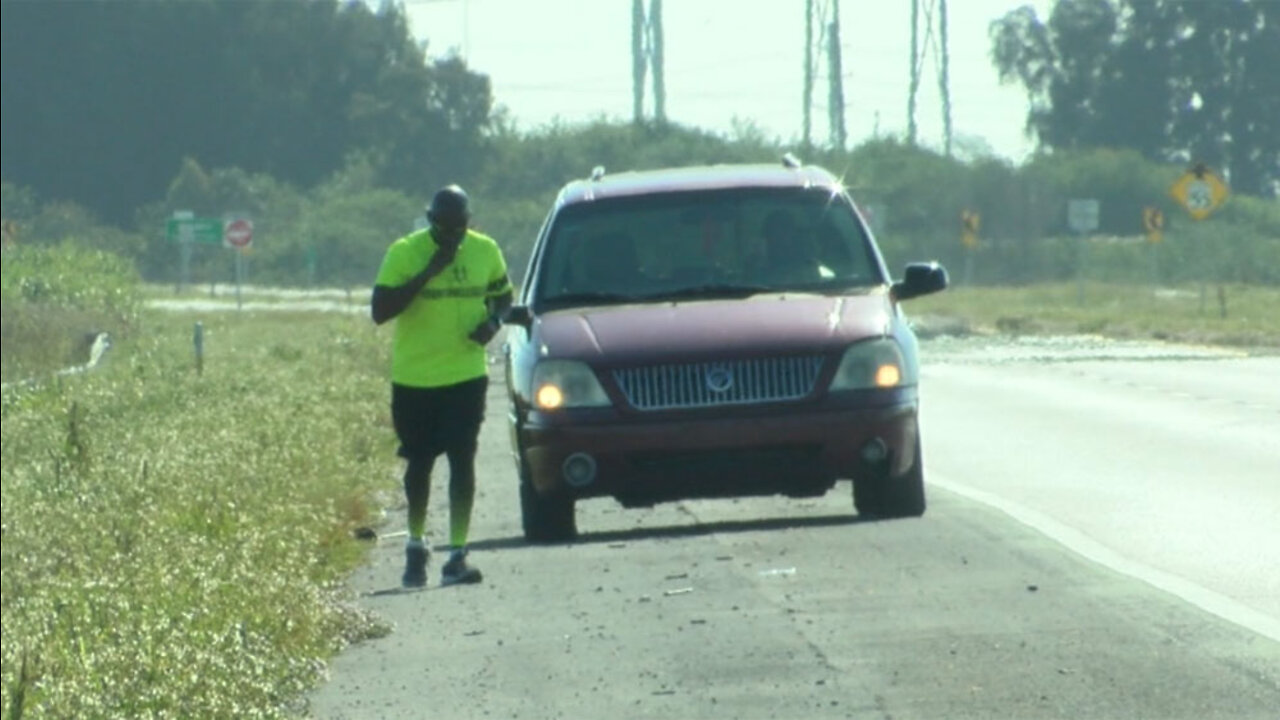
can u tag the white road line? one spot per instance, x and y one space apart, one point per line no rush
1203 598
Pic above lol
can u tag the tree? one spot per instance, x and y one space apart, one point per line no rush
1176 80
102 100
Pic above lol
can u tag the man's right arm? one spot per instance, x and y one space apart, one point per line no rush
388 302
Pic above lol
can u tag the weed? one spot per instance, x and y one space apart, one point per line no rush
174 544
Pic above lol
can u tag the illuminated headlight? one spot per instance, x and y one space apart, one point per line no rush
566 384
873 364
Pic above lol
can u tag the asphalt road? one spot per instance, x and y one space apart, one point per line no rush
1102 542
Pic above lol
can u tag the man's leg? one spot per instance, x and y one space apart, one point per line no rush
417 490
417 493
462 494
412 412
462 481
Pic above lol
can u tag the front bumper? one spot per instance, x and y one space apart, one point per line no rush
641 460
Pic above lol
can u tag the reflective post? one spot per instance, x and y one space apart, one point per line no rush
198 341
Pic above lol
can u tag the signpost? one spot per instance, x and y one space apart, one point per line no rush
1200 191
1082 218
970 221
187 231
1153 223
184 227
237 234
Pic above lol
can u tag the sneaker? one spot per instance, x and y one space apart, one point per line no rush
415 566
457 571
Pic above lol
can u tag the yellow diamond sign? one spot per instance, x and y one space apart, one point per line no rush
1200 191
970 221
1153 221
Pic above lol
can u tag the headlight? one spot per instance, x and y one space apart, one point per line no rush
873 364
566 384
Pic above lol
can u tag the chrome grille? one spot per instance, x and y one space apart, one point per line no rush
703 384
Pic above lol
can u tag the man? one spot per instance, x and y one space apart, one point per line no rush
447 288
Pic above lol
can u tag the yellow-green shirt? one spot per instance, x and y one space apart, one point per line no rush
431 347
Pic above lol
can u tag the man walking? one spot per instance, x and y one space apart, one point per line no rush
446 287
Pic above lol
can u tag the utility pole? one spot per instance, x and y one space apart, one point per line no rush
659 82
808 74
647 50
915 73
639 60
836 101
940 50
944 78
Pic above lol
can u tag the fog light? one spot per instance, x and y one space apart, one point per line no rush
579 470
875 452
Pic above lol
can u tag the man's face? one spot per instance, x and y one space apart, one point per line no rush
449 229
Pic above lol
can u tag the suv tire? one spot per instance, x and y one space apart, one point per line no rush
892 497
546 518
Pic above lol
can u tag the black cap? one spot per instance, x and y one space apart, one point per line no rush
449 206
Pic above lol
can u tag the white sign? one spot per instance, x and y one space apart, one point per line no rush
238 233
1082 215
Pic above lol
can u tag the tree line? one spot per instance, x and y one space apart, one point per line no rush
329 125
103 98
1175 80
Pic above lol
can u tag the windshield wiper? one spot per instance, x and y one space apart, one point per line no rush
710 290
588 298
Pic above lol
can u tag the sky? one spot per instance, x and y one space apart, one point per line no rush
732 64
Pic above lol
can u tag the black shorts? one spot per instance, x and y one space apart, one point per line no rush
433 421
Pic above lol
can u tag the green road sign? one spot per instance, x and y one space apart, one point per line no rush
205 231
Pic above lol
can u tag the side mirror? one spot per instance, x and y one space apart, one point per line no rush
519 315
920 279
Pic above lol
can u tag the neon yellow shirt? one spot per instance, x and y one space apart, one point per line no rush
431 347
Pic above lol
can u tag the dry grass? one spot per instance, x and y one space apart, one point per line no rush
1240 316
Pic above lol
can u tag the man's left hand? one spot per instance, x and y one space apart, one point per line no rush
484 332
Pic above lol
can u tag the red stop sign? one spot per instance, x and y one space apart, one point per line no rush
238 233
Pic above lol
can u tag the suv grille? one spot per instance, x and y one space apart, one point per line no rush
714 384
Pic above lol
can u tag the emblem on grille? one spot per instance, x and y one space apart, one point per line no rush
719 378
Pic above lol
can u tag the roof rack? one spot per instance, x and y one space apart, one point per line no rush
597 172
791 161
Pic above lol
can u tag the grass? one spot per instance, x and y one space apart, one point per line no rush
55 299
1242 316
174 543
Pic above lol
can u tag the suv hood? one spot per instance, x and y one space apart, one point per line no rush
771 324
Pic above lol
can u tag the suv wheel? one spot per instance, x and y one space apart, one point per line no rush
546 518
892 497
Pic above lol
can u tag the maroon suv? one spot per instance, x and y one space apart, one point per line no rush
712 332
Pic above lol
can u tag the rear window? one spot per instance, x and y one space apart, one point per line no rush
772 240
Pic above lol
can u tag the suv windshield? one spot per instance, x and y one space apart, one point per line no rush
703 245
